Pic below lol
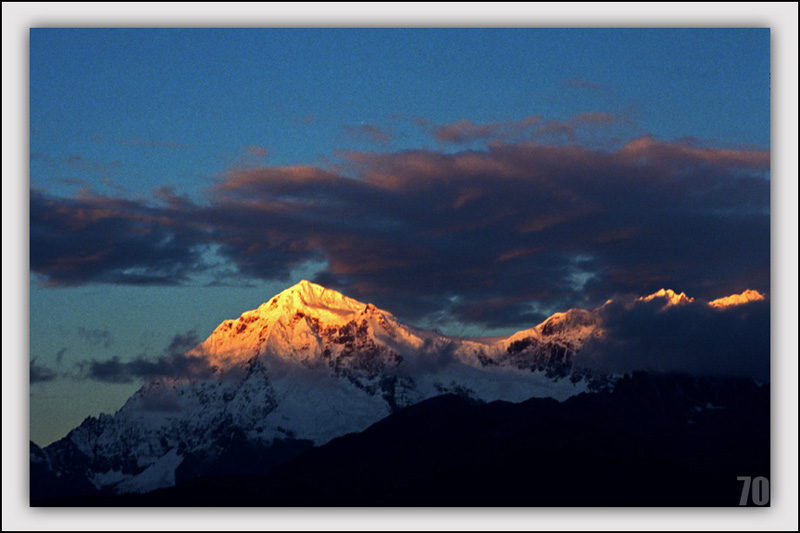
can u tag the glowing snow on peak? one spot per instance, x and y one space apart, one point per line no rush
736 299
297 325
671 297
312 295
324 304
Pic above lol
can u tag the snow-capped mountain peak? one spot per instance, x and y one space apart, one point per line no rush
310 297
737 299
307 325
671 297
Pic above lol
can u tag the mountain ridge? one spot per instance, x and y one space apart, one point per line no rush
307 366
653 441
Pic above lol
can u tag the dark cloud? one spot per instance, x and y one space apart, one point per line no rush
500 236
41 373
111 240
173 362
115 370
182 343
692 338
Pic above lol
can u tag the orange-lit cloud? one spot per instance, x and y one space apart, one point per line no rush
532 128
464 131
646 150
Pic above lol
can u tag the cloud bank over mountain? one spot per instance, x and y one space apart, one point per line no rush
693 338
493 237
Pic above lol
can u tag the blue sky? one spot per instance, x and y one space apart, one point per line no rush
149 108
181 177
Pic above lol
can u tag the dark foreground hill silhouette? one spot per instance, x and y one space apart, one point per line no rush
653 441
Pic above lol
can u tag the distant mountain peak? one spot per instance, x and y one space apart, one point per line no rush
671 297
737 299
298 325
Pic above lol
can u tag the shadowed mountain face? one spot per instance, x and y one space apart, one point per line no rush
653 441
311 365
